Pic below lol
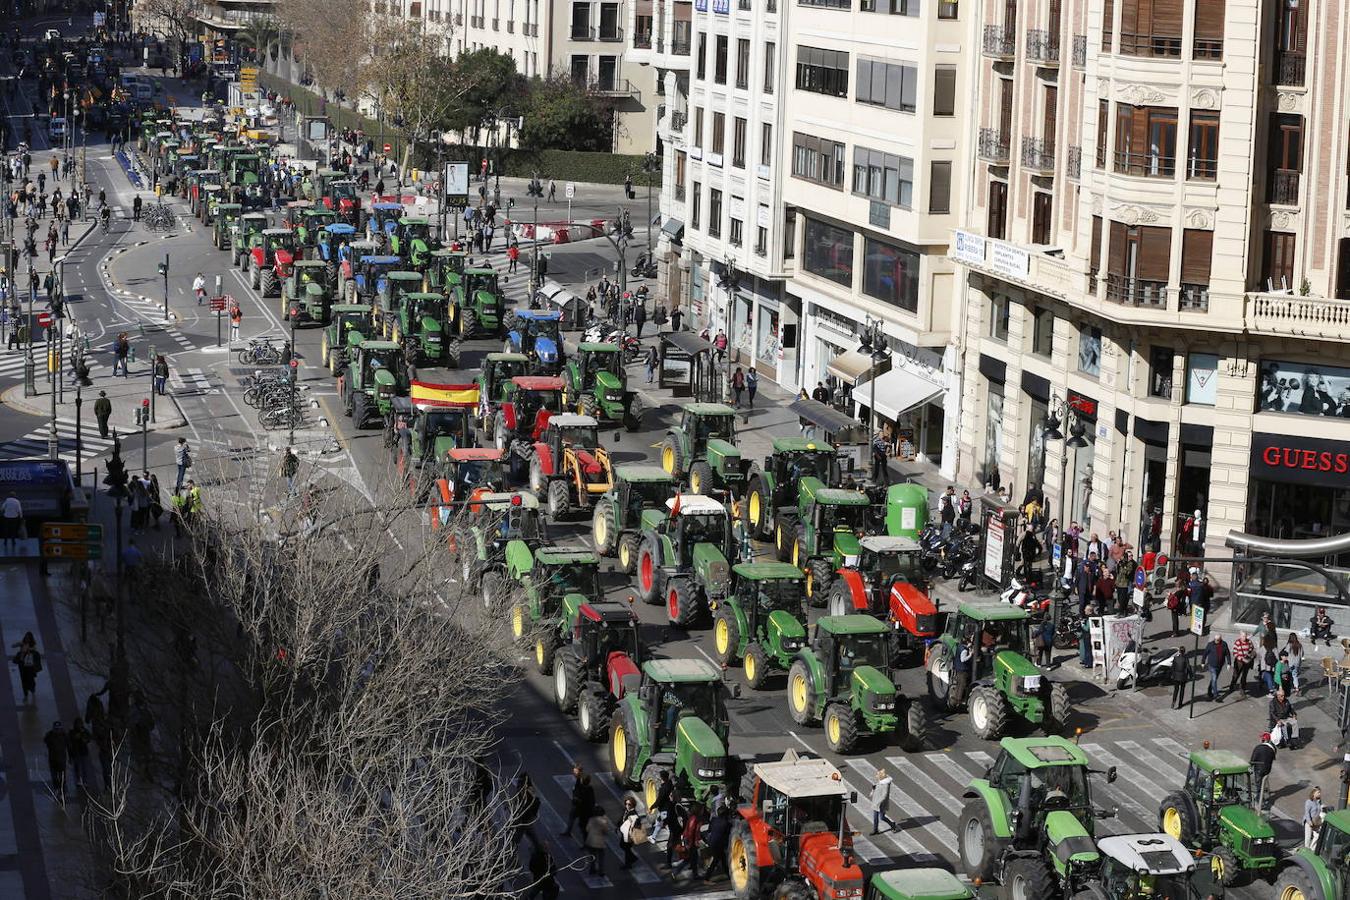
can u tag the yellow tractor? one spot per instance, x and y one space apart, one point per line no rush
569 467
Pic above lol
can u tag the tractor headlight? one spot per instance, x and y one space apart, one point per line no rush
614 395
792 643
881 702
711 772
1030 684
851 560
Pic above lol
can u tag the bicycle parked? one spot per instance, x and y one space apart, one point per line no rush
260 352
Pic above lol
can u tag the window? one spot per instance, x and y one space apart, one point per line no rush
829 4
940 186
1042 332
1108 24
944 90
818 159
701 58
1285 159
1095 254
828 251
891 274
1208 42
1000 312
742 63
1138 265
698 127
738 143
681 163
1277 270
1202 378
762 231
948 9
1203 160
886 84
1160 365
998 209
1040 217
1103 114
883 176
903 7
1090 350
1197 251
734 232
1146 140
822 71
720 60
719 127
714 212
698 200
789 232
1152 27
769 67
765 144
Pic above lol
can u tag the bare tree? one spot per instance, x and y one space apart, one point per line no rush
414 81
177 17
332 40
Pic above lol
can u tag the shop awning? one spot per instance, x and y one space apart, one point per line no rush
897 392
844 429
687 341
849 366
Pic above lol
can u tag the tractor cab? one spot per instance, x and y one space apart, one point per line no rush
920 884
499 370
480 279
638 488
343 197
1147 866
383 220
694 519
602 630
531 396
704 422
518 517
411 239
244 169
332 239
279 249
675 689
389 295
594 360
227 214
886 560
295 213
838 511
1216 811
795 458
845 645
537 335
351 254
467 469
441 265
372 274
990 629
438 429
312 221
763 588
374 356
570 431
557 573
420 306
307 289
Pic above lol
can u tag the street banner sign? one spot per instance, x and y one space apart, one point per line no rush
457 183
71 531
217 304
248 79
72 551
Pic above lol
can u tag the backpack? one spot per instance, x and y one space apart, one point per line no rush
1172 601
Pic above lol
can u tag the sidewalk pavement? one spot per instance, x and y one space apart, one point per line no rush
126 395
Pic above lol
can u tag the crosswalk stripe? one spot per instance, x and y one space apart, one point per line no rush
915 810
953 770
902 838
1183 754
1130 776
641 871
1156 765
566 860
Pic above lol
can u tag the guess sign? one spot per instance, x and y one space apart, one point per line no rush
1279 457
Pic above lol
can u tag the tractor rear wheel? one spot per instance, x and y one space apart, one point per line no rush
468 324
511 322
940 675
492 590
757 511
270 285
651 784
566 680
501 438
628 553
672 459
840 603
586 406
623 738
1058 710
559 500
360 410
632 416
726 636
538 480
700 477
1224 866
1029 878
681 607
545 646
520 623
593 714
1294 884
756 665
452 349
819 580
743 862
782 540
918 727
841 728
1176 817
980 849
800 695
988 712
799 554
648 564
603 533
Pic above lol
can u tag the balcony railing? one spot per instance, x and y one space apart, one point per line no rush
1290 69
1133 291
1302 316
1073 163
1146 165
1080 51
583 33
1284 187
1000 42
1200 168
993 146
1161 45
1038 155
1194 297
611 34
642 40
1207 48
613 87
1042 47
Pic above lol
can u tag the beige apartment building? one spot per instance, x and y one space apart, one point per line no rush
1156 265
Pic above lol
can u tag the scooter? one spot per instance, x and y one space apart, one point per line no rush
1021 595
1138 666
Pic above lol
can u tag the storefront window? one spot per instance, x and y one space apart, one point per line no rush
829 252
1160 362
1202 379
1036 444
1309 390
1090 350
742 337
767 346
891 274
993 435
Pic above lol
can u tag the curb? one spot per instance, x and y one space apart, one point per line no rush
14 399
113 285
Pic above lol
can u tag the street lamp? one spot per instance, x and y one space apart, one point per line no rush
873 343
651 164
730 281
535 189
1059 413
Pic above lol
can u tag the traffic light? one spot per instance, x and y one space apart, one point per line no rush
1157 579
116 477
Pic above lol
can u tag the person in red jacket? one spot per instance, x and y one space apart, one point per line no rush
1244 654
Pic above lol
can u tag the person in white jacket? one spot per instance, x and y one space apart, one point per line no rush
881 801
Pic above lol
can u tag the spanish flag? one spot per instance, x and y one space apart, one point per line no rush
430 393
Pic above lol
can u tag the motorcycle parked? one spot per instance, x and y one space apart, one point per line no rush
1139 665
1024 596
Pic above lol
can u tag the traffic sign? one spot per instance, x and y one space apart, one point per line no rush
388 147
72 551
570 190
248 79
44 319
71 531
217 304
1197 619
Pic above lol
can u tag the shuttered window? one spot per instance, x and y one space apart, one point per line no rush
1197 247
940 186
1278 270
1150 28
998 209
1108 24
1095 251
1209 16
1155 253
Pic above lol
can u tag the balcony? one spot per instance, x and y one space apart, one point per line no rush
1145 165
582 33
642 40
475 21
993 146
1080 51
613 87
610 34
1000 42
1194 297
1131 291
1285 314
1284 187
677 122
1038 156
1290 68
1042 47
1073 164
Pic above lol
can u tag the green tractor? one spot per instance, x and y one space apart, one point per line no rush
411 239
307 290
245 234
821 533
434 429
917 884
312 223
762 621
676 721
477 304
616 524
1002 680
496 384
222 229
1029 823
552 583
843 679
1323 872
1215 811
244 174
419 326
594 381
683 559
1148 866
441 266
393 287
348 325
702 449
374 377
773 485
484 529
592 673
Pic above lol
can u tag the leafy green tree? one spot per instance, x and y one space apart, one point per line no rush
491 89
560 115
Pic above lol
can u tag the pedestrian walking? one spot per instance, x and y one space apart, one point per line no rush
543 878
1244 654
161 374
1216 657
1313 810
639 317
738 384
78 743
11 521
1262 762
652 360
29 661
751 385
552 190
1181 677
690 840
65 232
598 828
136 208
630 830
513 258
1266 662
717 839
1294 648
583 801
881 801
199 288
236 318
290 467
1174 604
58 757
1283 721
880 470
182 455
676 315
121 351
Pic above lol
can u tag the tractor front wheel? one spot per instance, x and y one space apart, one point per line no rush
726 636
1224 866
743 861
566 680
648 564
1058 711
628 553
672 459
602 528
939 676
840 603
918 727
360 410
501 438
819 580
593 715
681 606
559 500
623 738
1029 878
756 665
988 712
492 589
801 697
980 849
782 540
1176 817
545 645
651 784
700 478
1294 884
468 324
520 623
794 890
452 350
841 728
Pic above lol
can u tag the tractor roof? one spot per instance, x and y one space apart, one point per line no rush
386 207
538 315
469 454
572 420
602 611
310 264
709 409
1220 762
857 623
800 444
228 207
697 505
405 275
681 670
504 357
882 543
255 216
558 556
1156 854
498 502
276 232
643 473
382 260
991 611
480 270
592 347
319 211
414 220
424 295
445 252
341 228
1040 752
380 346
361 245
1340 820
538 382
800 777
349 308
842 497
769 571
920 884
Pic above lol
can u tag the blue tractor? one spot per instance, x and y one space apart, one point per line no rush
368 278
382 221
330 243
537 335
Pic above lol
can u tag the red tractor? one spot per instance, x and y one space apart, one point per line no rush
569 468
344 198
592 673
792 840
886 580
270 260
